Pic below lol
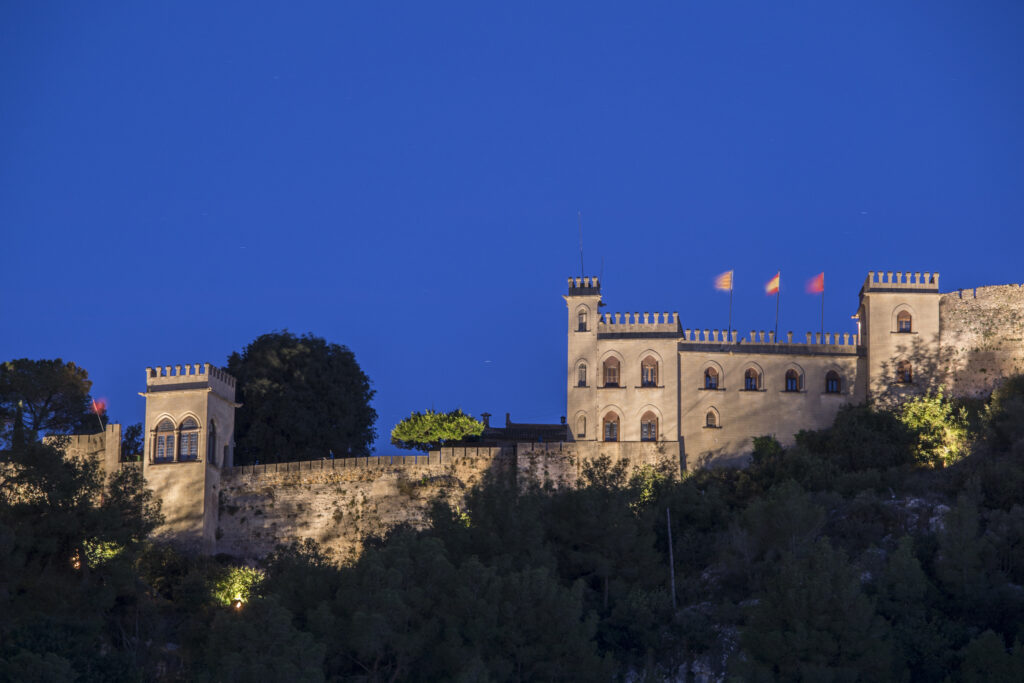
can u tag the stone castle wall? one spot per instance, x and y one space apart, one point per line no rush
982 337
341 503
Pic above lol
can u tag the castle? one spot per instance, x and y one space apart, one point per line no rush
639 387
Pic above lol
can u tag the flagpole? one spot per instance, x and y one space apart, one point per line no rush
777 293
729 334
823 314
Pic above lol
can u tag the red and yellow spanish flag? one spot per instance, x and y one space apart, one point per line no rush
773 285
724 281
816 285
99 405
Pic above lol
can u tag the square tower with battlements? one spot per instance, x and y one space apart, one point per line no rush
189 437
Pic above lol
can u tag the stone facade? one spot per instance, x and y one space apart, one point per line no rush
633 376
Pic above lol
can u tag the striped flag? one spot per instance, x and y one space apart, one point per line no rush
773 285
724 281
816 285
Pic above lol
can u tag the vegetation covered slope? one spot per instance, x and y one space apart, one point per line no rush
887 547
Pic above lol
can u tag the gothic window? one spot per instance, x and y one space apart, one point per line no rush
611 427
189 440
649 372
581 375
904 372
211 443
832 383
611 372
751 380
711 419
581 427
792 380
164 441
649 427
581 325
903 322
711 378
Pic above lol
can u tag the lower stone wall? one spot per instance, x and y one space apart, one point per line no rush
341 503
982 337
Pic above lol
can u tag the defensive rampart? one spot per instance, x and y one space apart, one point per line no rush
982 337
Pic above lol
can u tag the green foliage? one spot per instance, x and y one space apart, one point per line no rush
940 427
53 396
1003 417
237 586
429 431
302 398
862 437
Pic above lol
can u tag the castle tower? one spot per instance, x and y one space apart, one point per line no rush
189 432
899 328
583 302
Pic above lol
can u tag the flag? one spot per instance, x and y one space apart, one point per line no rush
99 405
816 285
773 285
724 281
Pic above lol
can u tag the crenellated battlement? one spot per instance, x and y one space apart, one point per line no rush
584 286
890 280
167 377
813 342
638 322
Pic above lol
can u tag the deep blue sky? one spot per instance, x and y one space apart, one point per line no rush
177 178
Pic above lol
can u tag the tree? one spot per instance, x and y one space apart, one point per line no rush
302 398
132 442
53 395
429 431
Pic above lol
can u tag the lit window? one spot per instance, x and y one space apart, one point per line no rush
751 380
792 380
649 427
903 322
581 375
904 373
832 383
711 378
611 372
611 427
189 440
711 419
649 372
164 441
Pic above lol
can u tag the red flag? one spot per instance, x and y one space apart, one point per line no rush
773 285
99 405
816 285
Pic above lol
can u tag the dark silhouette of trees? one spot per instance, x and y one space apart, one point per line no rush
53 395
302 399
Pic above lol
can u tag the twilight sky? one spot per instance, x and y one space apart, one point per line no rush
177 178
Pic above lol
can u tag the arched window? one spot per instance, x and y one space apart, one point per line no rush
189 440
751 380
649 372
581 375
211 444
164 441
904 372
832 382
611 427
792 380
903 321
581 427
649 427
711 419
581 319
711 378
611 372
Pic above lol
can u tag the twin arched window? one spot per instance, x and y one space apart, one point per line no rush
649 427
751 380
710 378
180 443
904 322
793 382
833 385
649 372
611 372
